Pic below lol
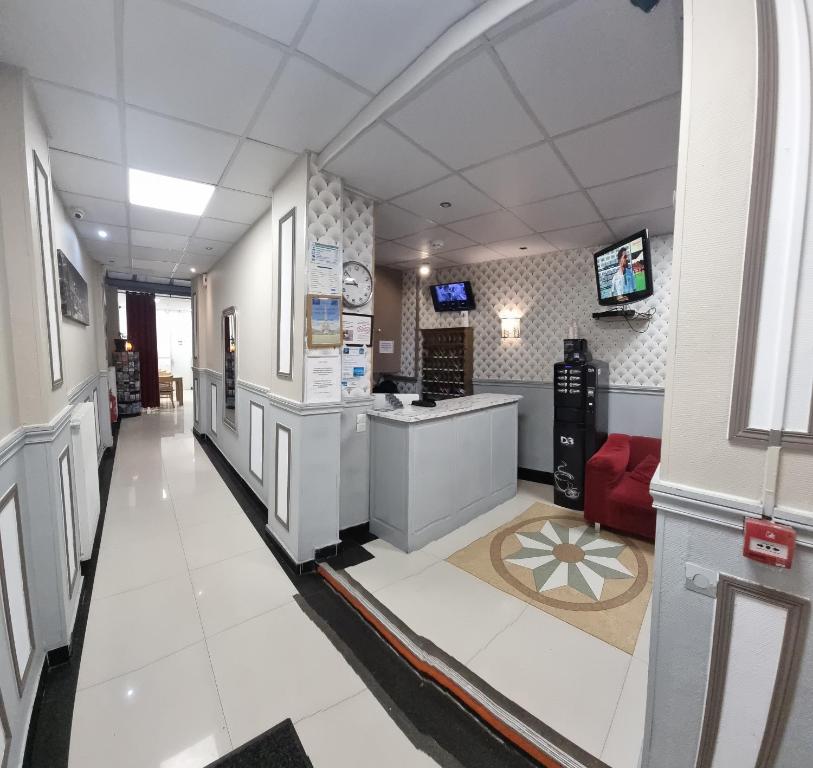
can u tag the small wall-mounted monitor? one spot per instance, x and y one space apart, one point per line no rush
452 297
624 271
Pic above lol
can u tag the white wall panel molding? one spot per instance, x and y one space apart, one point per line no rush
77 392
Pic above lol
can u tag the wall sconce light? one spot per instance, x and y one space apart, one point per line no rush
509 328
128 346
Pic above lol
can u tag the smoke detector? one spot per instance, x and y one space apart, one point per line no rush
437 244
77 214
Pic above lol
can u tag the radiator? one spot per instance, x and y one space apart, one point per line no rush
86 471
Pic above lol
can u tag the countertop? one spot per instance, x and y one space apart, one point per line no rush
453 407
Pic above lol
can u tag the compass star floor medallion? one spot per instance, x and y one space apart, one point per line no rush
579 557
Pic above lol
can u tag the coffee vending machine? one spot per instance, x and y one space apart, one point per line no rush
579 419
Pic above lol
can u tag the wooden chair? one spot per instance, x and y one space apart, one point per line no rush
166 387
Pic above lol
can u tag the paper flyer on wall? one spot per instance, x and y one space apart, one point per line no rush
323 378
357 329
355 371
325 269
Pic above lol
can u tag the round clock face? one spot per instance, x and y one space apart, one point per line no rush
357 284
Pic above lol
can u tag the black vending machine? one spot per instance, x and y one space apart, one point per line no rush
579 419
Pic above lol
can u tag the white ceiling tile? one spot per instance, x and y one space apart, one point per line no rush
307 108
208 248
199 262
522 17
660 222
473 255
181 64
173 148
69 43
557 213
231 205
585 236
257 168
155 220
371 42
468 116
640 193
278 19
96 209
491 227
594 59
155 268
466 201
165 240
79 123
105 251
634 143
86 176
524 177
436 262
423 240
90 231
143 254
532 245
392 252
225 231
392 222
385 164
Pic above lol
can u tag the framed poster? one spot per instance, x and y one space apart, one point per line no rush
49 272
324 321
73 290
325 269
357 329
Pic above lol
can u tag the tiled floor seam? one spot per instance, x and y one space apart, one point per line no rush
615 710
136 588
508 626
335 704
219 632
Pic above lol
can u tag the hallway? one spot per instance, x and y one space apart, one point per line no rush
193 627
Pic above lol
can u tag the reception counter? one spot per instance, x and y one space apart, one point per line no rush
434 469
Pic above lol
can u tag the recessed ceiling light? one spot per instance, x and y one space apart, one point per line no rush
192 269
445 204
210 247
424 270
167 193
103 234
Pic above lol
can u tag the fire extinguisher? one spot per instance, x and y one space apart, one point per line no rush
114 408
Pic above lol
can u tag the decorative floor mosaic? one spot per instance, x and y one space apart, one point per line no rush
598 582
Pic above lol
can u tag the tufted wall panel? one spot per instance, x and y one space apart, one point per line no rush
549 292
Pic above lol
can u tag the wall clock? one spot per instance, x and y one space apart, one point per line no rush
357 284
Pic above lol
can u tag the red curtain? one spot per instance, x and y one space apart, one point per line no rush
141 332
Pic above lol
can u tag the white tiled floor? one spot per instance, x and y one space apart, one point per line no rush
589 691
194 643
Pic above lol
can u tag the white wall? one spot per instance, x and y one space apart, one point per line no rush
173 321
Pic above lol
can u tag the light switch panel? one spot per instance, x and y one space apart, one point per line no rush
701 580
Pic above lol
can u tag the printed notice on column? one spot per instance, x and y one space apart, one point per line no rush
323 378
325 269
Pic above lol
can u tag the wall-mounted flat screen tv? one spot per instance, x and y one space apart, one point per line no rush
624 271
452 297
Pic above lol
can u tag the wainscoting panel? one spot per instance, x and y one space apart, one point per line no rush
282 475
213 408
68 517
256 449
196 400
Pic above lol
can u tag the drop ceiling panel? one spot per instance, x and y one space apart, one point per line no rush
392 252
491 227
641 193
307 108
257 168
80 123
153 220
557 213
532 245
198 261
174 148
208 248
96 209
85 176
523 17
231 205
181 64
155 268
90 231
226 231
660 222
468 116
594 59
164 240
143 254
423 240
466 201
370 41
392 222
385 164
586 236
104 251
523 177
635 143
68 43
437 262
473 255
277 19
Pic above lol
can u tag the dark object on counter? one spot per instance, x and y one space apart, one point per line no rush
393 401
385 386
424 402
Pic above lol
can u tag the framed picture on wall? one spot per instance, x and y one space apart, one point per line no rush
49 272
73 290
324 321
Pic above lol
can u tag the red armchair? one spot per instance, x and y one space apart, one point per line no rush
617 481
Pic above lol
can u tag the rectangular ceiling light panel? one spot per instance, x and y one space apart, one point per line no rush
166 193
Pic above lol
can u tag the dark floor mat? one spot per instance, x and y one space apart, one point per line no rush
279 747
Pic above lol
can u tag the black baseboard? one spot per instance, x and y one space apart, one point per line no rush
58 656
535 475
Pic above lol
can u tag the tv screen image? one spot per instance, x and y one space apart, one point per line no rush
452 297
624 270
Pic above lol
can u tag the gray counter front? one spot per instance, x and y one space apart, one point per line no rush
434 469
